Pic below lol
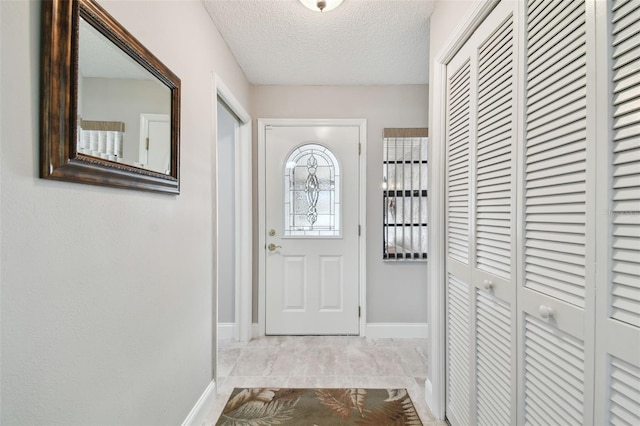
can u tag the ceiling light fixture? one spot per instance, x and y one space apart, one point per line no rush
321 5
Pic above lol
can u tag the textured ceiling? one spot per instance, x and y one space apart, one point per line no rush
362 42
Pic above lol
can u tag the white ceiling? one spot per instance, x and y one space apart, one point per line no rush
99 57
362 42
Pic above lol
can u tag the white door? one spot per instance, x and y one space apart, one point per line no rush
155 142
481 142
311 197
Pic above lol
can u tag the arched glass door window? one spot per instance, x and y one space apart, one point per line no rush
312 192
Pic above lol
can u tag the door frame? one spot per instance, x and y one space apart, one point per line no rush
435 385
362 207
145 119
244 220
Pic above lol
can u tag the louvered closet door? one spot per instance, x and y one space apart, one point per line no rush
481 289
494 213
458 288
556 294
618 314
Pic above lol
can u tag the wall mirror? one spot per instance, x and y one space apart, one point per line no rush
110 112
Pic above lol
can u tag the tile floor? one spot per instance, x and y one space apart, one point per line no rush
332 361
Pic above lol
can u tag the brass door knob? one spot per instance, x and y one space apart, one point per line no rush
272 247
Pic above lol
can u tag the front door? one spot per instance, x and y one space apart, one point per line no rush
311 226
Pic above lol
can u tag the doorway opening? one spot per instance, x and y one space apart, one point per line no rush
232 220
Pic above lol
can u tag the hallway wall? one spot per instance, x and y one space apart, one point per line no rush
107 303
396 291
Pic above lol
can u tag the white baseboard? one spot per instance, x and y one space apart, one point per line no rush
433 401
226 330
255 330
382 330
198 413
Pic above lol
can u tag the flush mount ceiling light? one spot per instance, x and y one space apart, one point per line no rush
321 5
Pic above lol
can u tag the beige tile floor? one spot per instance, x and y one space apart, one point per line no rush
332 361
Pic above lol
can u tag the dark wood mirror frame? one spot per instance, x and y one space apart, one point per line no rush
59 158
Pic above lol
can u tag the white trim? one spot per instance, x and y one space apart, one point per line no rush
362 213
255 330
435 385
382 330
244 220
227 331
232 102
469 23
203 406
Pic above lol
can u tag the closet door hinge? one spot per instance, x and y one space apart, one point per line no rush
359 312
359 148
359 230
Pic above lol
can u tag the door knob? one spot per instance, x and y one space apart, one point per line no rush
487 284
272 247
545 311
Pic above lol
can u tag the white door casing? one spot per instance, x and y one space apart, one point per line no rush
244 223
311 280
330 261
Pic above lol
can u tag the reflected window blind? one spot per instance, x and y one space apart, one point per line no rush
405 194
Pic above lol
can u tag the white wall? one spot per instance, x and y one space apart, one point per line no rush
107 294
226 215
396 291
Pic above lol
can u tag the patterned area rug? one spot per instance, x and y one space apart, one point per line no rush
281 406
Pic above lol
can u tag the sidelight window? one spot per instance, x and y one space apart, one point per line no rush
404 189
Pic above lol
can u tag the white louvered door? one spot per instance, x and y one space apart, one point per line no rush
458 286
556 294
543 216
618 292
494 213
481 290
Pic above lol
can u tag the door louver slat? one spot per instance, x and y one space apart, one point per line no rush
494 172
458 382
493 336
554 375
458 164
625 215
624 393
555 159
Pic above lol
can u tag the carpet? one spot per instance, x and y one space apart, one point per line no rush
286 406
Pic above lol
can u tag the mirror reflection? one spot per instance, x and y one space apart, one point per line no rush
123 110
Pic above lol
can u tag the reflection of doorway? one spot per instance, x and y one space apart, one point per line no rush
155 142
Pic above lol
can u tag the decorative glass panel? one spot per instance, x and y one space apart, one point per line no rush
312 192
405 193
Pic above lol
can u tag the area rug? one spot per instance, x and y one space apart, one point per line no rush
286 406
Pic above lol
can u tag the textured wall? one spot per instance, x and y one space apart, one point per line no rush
107 295
396 292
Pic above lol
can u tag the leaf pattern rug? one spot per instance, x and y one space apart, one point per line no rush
285 406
